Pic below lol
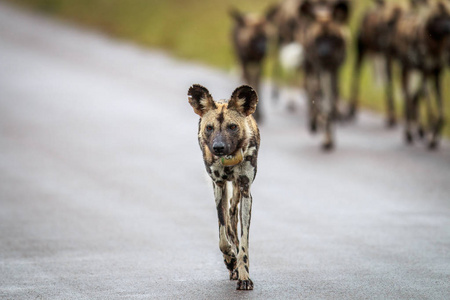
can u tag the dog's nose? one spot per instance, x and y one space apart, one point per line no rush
324 49
219 148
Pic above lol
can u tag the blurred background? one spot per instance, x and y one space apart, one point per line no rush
200 30
103 191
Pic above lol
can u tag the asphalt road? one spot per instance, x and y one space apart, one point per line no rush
103 193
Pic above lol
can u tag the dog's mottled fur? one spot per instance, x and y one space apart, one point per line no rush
374 38
421 44
229 139
325 42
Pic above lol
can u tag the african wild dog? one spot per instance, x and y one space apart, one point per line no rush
250 36
325 42
421 42
374 38
229 139
284 18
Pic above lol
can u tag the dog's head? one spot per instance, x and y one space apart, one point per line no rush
324 11
223 124
326 36
378 25
250 34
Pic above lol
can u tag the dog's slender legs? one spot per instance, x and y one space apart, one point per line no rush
234 216
244 282
354 97
439 124
232 227
312 90
391 120
220 194
429 110
328 102
416 99
408 104
335 92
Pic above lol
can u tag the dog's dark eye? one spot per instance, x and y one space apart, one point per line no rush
209 128
232 127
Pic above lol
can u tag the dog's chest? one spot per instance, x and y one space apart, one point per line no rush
219 173
223 173
245 168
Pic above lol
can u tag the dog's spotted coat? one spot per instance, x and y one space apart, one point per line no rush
421 45
325 42
229 139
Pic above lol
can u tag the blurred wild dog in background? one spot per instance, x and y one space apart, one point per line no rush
421 44
374 38
287 52
325 42
250 38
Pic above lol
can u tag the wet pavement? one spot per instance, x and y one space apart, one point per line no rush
103 193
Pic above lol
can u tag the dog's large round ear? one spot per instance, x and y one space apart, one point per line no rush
444 8
244 100
200 99
237 16
306 10
341 11
395 16
271 12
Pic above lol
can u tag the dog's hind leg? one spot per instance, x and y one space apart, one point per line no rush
408 104
439 124
220 194
390 106
354 97
242 269
311 82
328 83
233 231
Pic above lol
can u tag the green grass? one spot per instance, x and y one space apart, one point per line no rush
199 30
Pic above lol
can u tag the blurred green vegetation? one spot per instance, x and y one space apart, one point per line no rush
200 30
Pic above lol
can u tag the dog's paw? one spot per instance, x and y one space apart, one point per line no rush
391 122
313 126
433 145
230 263
234 275
409 138
421 132
244 285
327 145
351 113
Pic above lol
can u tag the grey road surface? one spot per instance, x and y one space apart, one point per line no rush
103 193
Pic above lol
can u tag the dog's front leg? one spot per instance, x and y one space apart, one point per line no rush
244 282
220 194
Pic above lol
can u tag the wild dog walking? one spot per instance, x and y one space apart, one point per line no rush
421 42
287 53
229 139
325 42
374 38
250 37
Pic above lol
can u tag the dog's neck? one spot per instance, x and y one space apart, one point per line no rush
232 160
